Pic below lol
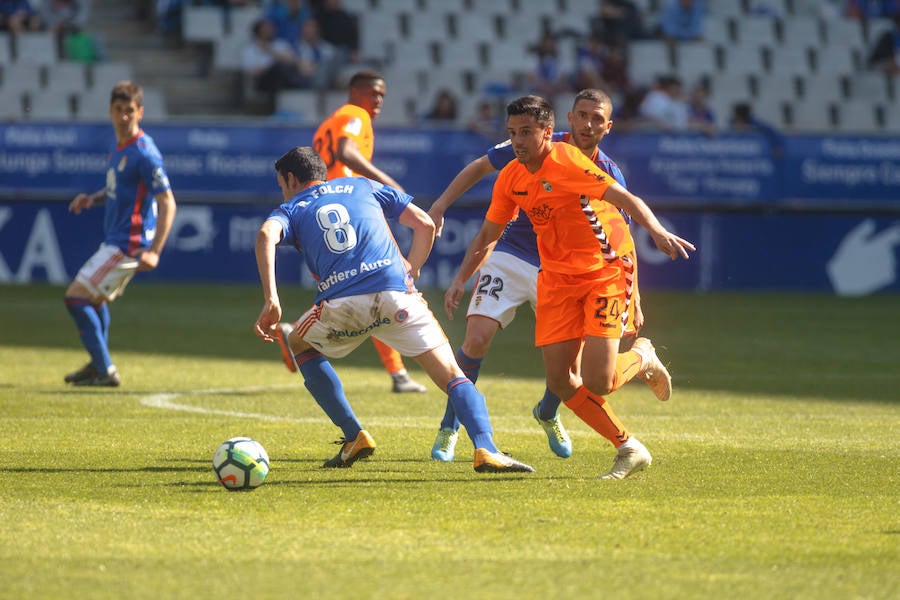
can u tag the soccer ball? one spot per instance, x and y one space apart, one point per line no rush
241 464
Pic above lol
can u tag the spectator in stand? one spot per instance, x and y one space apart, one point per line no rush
487 122
664 106
743 120
270 62
682 21
443 109
339 28
547 79
600 65
17 16
701 116
317 59
886 52
872 9
617 22
62 16
288 17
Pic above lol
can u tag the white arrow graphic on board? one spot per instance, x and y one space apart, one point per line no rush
864 263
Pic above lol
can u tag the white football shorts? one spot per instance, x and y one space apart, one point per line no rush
107 272
401 320
503 283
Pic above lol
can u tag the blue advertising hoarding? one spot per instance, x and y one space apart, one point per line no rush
234 164
849 254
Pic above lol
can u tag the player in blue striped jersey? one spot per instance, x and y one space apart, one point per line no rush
139 209
509 277
365 289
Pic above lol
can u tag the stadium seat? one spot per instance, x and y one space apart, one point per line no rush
744 59
694 60
154 105
859 116
93 105
844 32
772 109
6 53
800 32
870 85
202 23
756 31
812 114
373 38
22 77
828 87
892 118
36 48
725 8
301 104
647 60
66 78
793 61
11 104
240 21
228 52
49 107
718 30
783 85
105 75
838 60
474 27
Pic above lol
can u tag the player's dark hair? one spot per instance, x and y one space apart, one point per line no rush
534 106
304 162
594 95
127 91
365 78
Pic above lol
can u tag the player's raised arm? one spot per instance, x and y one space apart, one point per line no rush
667 242
423 237
349 154
266 239
478 251
471 174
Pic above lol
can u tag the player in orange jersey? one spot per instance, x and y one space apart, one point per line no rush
345 141
585 286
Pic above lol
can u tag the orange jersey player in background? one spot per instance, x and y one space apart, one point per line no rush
345 141
584 289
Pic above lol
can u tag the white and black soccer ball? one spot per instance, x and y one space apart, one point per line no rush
241 463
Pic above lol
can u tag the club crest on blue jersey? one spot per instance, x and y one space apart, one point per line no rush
122 164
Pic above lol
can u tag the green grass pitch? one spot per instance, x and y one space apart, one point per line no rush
775 471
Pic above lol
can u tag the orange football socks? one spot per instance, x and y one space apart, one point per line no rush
594 411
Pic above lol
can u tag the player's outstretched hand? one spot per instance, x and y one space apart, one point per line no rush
268 320
673 246
453 297
437 215
148 260
79 203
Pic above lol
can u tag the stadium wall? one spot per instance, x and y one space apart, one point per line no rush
812 213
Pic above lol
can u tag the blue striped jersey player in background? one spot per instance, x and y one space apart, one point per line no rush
509 277
365 289
139 210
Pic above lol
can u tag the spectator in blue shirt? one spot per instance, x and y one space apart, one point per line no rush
18 15
288 17
682 20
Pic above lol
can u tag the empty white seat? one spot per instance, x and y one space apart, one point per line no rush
717 30
105 75
93 105
844 32
725 8
756 31
154 105
302 104
202 23
744 59
44 106
228 52
870 85
794 61
838 60
474 27
800 32
647 60
11 105
812 114
36 48
825 86
858 116
6 53
380 27
694 60
21 77
67 78
778 84
241 20
892 118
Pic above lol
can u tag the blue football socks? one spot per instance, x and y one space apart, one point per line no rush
470 368
472 411
90 330
325 386
102 311
548 405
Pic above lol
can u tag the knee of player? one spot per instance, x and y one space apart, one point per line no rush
599 383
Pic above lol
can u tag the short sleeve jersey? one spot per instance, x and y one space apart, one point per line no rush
518 238
577 231
340 227
348 121
134 175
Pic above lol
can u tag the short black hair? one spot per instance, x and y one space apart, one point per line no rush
304 162
534 106
365 78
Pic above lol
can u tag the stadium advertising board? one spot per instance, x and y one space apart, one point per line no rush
234 164
849 254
